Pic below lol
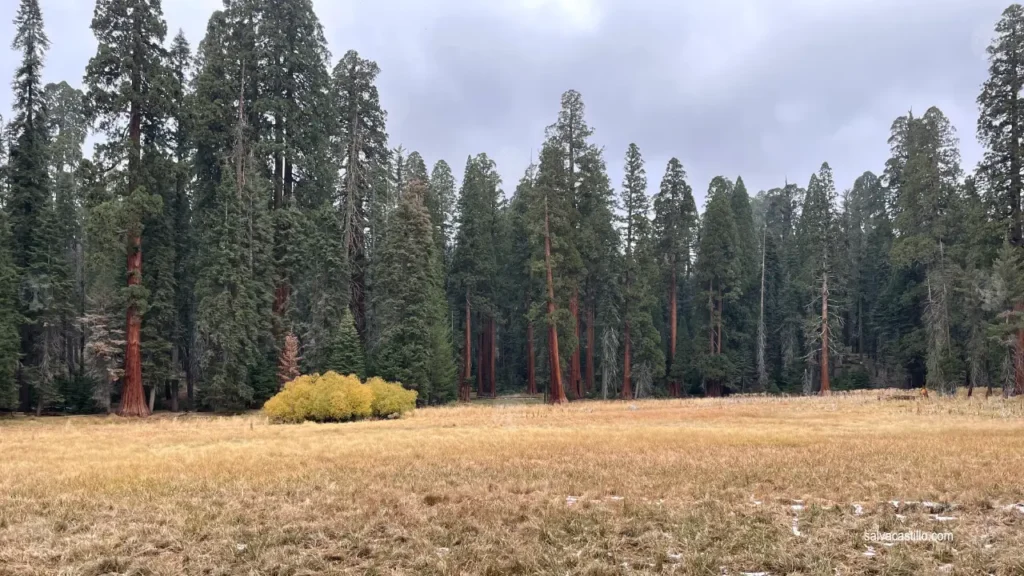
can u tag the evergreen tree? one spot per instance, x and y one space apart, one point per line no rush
42 267
364 155
411 303
9 321
475 263
923 176
1001 121
126 91
675 230
441 204
742 315
1001 131
346 352
183 357
67 127
717 274
638 298
818 237
235 349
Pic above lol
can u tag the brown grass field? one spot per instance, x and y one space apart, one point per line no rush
649 487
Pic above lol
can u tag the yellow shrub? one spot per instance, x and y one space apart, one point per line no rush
390 398
349 398
327 398
292 403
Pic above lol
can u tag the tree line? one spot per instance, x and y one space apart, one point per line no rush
244 217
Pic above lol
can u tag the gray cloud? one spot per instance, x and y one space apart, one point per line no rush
766 90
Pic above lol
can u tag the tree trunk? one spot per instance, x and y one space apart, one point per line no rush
825 386
152 398
557 391
575 375
531 374
481 346
133 401
174 395
1018 358
133 398
673 320
591 331
493 352
711 317
721 320
467 370
627 364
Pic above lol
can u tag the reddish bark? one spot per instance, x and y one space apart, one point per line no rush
589 382
627 361
557 391
467 369
825 385
531 373
133 398
575 374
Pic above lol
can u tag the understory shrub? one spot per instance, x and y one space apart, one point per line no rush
332 397
390 399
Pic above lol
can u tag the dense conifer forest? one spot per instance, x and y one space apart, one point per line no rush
244 217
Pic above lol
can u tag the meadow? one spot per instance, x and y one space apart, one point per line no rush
696 486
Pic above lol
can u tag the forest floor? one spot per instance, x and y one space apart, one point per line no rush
726 486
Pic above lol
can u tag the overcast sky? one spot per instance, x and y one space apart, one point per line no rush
763 89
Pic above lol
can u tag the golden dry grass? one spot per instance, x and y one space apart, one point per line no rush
661 486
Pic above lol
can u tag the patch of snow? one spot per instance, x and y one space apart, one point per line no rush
240 547
888 544
753 574
895 504
615 498
797 507
1017 507
946 568
988 546
570 500
858 510
442 551
938 518
870 553
901 517
674 558
796 528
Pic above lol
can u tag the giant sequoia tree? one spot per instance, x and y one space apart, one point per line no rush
639 272
718 271
675 223
817 231
362 149
126 94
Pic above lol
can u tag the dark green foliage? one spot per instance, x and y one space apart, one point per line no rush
641 272
345 353
409 298
10 344
364 158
